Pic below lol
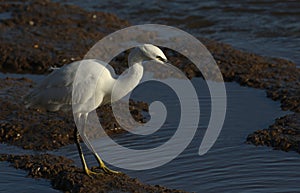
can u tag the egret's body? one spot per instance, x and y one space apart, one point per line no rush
54 93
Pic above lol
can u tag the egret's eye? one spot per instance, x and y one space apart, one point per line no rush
160 58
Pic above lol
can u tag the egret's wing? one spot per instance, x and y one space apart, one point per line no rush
61 77
55 91
91 84
111 70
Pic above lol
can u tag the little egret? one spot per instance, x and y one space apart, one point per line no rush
54 93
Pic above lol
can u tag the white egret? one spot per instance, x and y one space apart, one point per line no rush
54 93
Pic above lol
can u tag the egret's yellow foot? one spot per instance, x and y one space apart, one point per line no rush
90 172
107 170
104 167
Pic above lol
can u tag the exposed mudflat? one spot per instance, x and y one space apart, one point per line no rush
68 178
42 130
284 134
38 35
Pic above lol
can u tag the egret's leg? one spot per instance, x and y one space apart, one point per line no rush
84 165
99 160
85 139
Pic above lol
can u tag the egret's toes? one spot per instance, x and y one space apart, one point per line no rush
109 171
91 173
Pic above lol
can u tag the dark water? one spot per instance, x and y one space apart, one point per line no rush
231 165
266 27
13 180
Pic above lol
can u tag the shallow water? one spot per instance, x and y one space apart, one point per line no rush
231 165
267 27
13 180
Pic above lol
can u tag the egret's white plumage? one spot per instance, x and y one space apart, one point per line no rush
54 93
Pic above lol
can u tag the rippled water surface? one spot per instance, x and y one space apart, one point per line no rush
231 165
12 181
267 27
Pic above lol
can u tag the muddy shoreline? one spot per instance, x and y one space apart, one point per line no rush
39 35
68 178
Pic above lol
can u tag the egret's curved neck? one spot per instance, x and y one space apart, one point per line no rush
129 79
135 56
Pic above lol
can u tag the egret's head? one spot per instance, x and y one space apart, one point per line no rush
153 53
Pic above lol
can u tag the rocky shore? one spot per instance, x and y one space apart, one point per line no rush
37 35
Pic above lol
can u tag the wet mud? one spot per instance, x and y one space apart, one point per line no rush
284 134
38 35
38 129
68 178
281 80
